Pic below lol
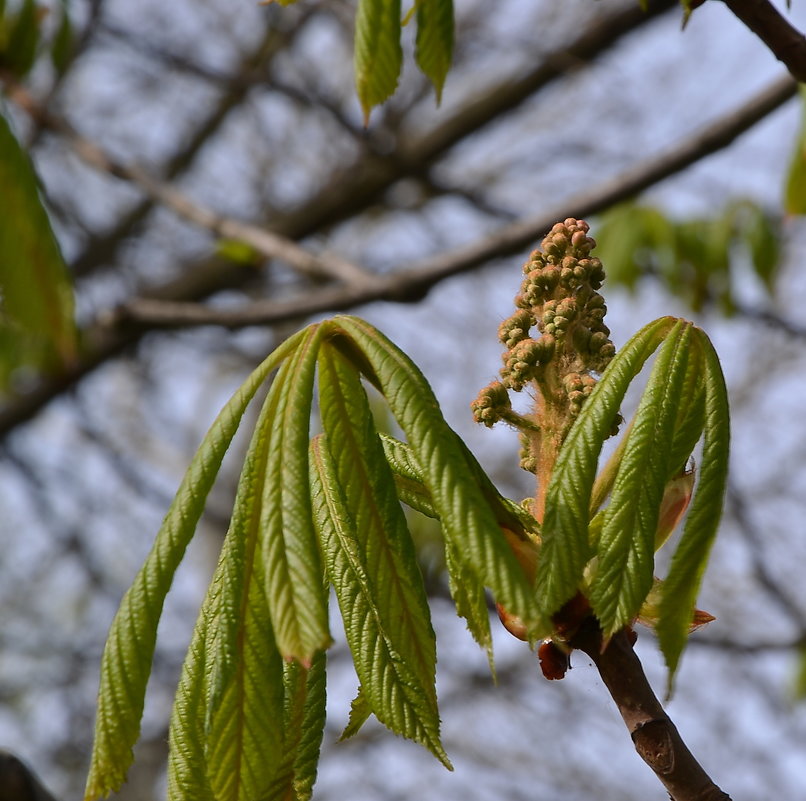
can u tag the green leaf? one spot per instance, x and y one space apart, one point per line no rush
36 300
126 662
20 53
246 698
762 236
434 46
61 50
296 597
467 512
565 548
372 563
303 721
360 711
795 191
626 544
187 762
688 564
378 54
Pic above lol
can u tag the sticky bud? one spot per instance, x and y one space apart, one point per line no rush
554 662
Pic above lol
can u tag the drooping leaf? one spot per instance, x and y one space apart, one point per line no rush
626 546
303 722
61 49
187 761
434 46
565 548
372 563
378 54
296 597
466 514
244 740
689 561
36 298
126 662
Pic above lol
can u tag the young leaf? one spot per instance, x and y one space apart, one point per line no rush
187 762
245 668
296 596
468 520
37 296
378 54
372 563
689 561
126 662
565 548
626 546
434 46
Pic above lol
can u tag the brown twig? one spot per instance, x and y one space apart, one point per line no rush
653 733
787 43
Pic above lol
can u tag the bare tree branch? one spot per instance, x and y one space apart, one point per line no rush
165 307
787 43
266 243
413 283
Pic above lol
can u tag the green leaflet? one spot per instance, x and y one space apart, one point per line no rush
297 600
626 544
371 561
689 561
187 764
378 54
468 522
245 672
359 714
434 46
303 721
126 662
466 590
565 548
36 301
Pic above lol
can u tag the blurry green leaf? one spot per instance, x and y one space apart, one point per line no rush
800 676
20 54
36 299
434 46
762 236
61 48
378 54
795 192
238 252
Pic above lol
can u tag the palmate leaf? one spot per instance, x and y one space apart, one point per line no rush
626 544
371 561
468 520
126 662
565 548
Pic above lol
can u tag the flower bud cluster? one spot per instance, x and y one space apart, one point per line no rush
491 405
556 340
